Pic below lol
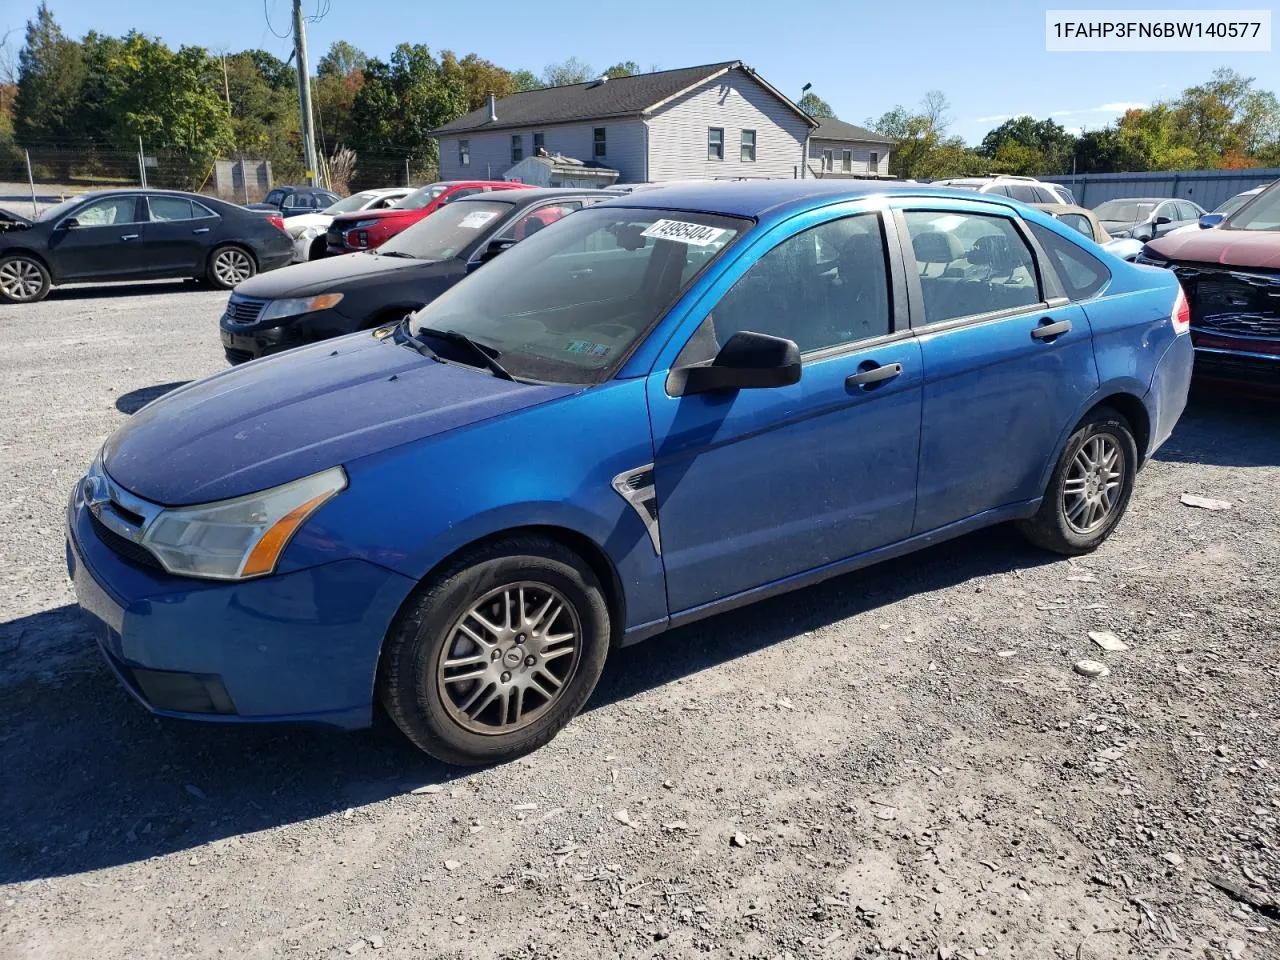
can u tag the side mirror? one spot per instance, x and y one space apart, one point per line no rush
496 247
1211 220
748 361
1161 221
71 223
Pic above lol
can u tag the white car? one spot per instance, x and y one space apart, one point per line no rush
1026 189
308 229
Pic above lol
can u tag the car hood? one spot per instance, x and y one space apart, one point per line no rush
271 421
1236 248
1115 226
324 276
16 218
295 225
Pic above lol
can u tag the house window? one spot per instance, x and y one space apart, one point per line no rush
846 161
599 146
537 142
828 160
464 153
748 154
517 148
873 163
715 143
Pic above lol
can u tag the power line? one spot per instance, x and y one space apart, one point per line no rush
266 12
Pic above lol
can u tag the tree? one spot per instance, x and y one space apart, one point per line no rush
1226 115
526 80
51 73
815 106
922 150
477 78
627 68
341 60
568 71
1024 145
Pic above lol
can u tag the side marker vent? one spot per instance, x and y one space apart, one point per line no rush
637 488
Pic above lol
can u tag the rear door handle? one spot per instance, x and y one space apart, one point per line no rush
129 236
201 230
876 374
1048 329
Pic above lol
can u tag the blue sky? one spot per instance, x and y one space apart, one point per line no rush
988 58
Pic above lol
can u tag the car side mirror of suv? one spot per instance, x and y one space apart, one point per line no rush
747 361
1210 220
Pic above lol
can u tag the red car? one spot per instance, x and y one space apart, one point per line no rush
1231 276
367 229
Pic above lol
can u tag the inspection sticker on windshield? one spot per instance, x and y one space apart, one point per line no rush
694 234
476 219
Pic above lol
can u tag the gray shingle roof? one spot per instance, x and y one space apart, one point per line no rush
622 97
829 128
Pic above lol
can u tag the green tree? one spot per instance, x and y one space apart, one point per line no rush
922 150
1024 145
566 72
342 59
51 73
627 68
526 80
815 106
1227 115
477 78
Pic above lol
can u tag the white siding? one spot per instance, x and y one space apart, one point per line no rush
861 157
734 102
491 150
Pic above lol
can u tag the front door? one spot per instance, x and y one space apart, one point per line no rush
1004 369
177 236
754 486
104 243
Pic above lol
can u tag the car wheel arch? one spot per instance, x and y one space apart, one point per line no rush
226 244
34 255
1125 398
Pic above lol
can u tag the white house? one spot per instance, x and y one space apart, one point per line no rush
720 121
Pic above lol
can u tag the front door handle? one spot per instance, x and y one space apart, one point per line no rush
874 375
201 230
129 236
1048 329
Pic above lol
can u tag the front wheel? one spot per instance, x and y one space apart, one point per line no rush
1090 488
230 266
493 657
23 279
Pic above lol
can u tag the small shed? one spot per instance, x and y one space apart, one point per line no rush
556 170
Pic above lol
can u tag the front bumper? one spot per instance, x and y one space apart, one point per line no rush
299 647
243 342
1249 365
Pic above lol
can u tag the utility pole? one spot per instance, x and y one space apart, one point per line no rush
304 96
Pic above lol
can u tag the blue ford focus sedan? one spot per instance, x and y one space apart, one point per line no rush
658 408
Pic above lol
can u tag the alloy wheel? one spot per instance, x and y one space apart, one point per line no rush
509 658
232 267
20 280
1091 491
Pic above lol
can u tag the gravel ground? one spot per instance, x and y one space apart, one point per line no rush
899 762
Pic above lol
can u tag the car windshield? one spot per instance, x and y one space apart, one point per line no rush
568 304
423 196
448 231
1262 213
357 201
1228 207
1123 211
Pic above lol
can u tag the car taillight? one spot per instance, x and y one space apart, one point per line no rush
276 221
364 238
1181 313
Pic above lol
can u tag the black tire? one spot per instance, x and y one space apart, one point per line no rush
1053 527
410 683
318 248
23 279
229 266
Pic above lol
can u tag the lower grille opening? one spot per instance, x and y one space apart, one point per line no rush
124 548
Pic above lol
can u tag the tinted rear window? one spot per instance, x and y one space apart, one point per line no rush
1081 273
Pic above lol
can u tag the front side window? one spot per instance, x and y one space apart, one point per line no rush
970 264
748 151
517 148
106 213
275 198
715 143
165 209
423 196
1081 273
534 220
447 232
464 153
599 145
567 305
823 287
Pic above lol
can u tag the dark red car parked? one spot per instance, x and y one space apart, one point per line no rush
1231 276
369 229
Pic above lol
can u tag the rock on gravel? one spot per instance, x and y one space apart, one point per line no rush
1092 668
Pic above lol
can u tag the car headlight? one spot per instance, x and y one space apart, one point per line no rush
278 309
240 538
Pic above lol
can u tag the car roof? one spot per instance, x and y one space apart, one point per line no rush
523 198
759 198
1139 200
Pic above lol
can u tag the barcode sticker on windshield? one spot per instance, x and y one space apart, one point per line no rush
694 234
476 219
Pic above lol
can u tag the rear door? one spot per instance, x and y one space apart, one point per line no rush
105 241
176 236
1008 361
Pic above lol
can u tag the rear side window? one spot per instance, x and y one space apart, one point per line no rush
1077 222
1082 274
170 208
970 264
1044 195
1020 191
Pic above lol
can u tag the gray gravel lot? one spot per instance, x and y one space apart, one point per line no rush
899 762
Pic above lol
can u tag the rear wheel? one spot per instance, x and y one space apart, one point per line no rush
23 279
493 657
229 266
318 248
1090 488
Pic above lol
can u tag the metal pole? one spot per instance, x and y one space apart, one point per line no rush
407 181
304 96
35 208
142 164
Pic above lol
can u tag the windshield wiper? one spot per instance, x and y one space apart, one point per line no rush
487 355
398 253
